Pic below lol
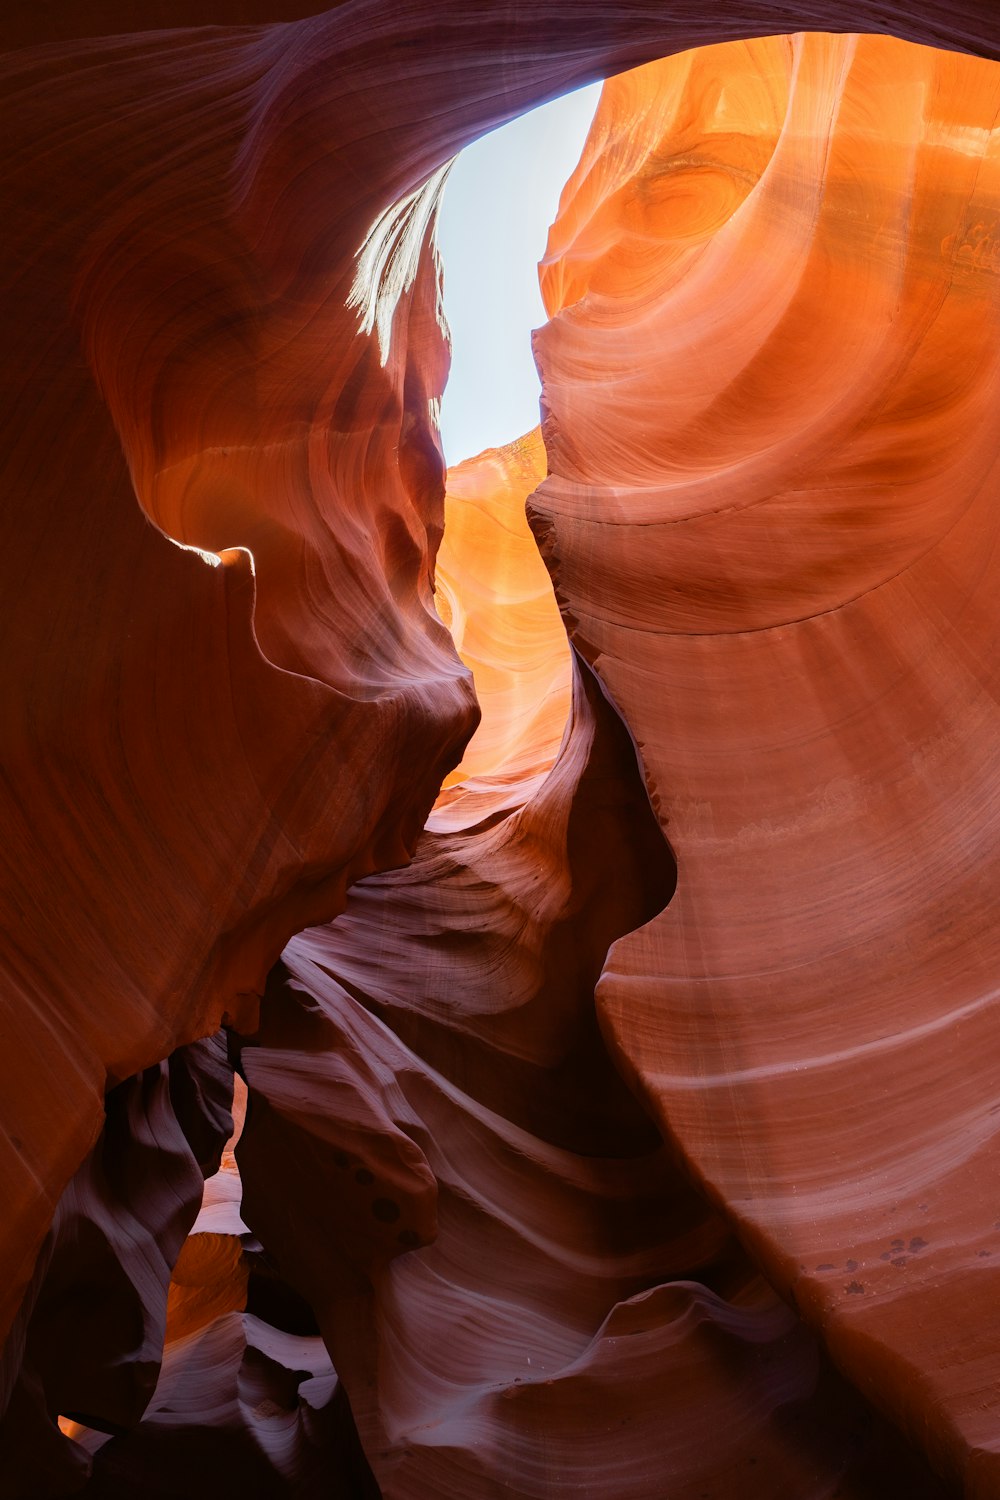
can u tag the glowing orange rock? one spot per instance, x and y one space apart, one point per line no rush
495 595
772 378
222 338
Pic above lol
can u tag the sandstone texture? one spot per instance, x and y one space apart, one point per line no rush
614 1108
809 675
494 593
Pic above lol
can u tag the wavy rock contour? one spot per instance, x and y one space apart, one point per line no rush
229 697
771 379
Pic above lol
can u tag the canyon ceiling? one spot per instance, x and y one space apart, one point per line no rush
618 1105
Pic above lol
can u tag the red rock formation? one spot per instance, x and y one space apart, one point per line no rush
227 696
243 1405
247 1396
575 1319
189 734
495 596
774 266
89 1335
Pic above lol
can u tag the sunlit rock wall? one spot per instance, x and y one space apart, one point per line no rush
495 595
228 696
771 382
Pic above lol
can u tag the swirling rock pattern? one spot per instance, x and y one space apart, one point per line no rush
187 728
520 1290
89 1336
795 614
227 696
239 1403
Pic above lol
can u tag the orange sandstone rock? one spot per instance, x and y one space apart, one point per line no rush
227 696
771 380
495 596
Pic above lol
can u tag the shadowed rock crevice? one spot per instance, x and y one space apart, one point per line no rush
90 1335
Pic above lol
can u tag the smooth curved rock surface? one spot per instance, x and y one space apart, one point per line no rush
239 1404
184 210
89 1337
493 592
521 1292
227 695
189 733
246 1400
771 383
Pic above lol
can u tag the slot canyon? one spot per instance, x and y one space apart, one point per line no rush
500 962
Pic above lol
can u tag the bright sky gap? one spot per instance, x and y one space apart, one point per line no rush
501 197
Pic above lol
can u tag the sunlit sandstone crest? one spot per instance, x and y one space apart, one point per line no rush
775 353
495 595
628 1131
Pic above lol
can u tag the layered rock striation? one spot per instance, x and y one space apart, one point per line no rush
519 1214
794 612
